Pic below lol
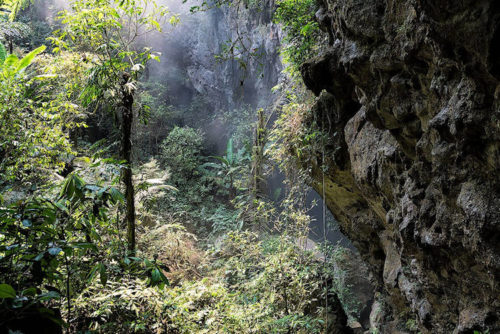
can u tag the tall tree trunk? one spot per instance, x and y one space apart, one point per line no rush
260 140
258 187
127 120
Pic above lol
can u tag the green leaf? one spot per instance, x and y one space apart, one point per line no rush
93 272
28 59
116 195
6 291
103 274
229 151
50 214
68 188
221 159
158 278
115 13
11 60
155 275
93 188
84 245
18 302
155 24
164 278
55 250
61 206
3 53
49 295
39 256
29 292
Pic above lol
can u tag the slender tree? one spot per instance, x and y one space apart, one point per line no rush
127 121
108 34
260 141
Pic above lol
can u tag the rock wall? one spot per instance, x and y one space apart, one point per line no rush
248 42
214 62
409 93
208 54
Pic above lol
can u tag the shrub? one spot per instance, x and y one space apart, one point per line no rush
46 247
172 245
181 153
253 286
124 306
303 37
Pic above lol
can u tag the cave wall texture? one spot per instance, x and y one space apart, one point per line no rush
409 92
196 63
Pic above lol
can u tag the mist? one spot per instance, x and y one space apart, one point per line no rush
212 90
191 73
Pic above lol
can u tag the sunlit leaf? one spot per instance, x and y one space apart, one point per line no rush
28 59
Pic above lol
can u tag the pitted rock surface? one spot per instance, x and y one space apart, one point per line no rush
413 178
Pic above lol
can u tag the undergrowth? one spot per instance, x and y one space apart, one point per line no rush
251 285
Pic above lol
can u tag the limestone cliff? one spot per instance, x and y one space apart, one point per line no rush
246 64
409 93
230 55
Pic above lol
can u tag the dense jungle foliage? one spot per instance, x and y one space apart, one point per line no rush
115 214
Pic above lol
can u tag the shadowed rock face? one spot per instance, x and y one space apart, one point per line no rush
408 92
